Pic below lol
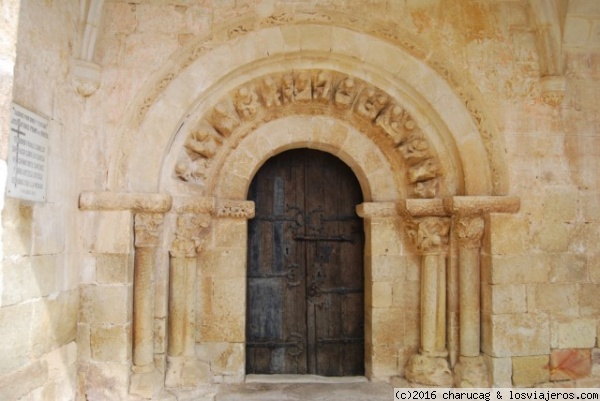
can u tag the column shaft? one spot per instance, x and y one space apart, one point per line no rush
143 311
470 317
429 301
440 344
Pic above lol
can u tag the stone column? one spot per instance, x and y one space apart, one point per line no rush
469 227
183 368
146 381
430 236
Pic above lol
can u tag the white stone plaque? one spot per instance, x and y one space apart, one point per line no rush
27 155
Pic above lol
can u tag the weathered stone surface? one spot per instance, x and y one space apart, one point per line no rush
106 381
570 364
114 269
148 202
106 304
471 372
517 335
529 371
54 322
110 343
500 370
21 382
28 277
575 333
429 371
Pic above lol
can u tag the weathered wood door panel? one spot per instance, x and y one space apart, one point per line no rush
305 268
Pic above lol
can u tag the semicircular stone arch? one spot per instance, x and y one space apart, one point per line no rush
447 140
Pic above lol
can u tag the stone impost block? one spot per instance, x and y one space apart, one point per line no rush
528 371
468 205
234 209
194 205
370 210
422 208
522 334
570 364
576 333
138 202
111 343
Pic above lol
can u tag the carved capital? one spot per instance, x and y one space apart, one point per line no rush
429 234
147 229
188 235
469 231
553 89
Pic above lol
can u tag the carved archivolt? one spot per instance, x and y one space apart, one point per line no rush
310 92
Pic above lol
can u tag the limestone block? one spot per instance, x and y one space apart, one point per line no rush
110 343
553 237
504 298
594 267
107 381
106 304
223 262
28 277
500 371
15 324
385 238
222 312
61 361
596 361
112 232
506 234
576 333
569 268
570 364
589 301
429 371
412 328
387 327
406 295
54 322
529 371
386 267
521 334
518 269
382 362
122 18
225 359
158 18
378 294
114 268
48 231
558 299
17 384
17 224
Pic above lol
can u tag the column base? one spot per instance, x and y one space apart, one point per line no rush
146 382
186 372
470 372
429 370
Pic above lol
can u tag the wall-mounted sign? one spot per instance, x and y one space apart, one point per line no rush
27 155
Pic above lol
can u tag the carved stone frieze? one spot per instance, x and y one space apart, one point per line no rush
235 209
147 228
429 234
332 92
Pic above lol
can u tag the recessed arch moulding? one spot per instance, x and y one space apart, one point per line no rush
213 82
399 126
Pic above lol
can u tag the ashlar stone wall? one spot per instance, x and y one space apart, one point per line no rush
40 255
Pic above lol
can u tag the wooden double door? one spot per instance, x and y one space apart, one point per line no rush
305 268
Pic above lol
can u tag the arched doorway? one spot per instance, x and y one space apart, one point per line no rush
305 302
